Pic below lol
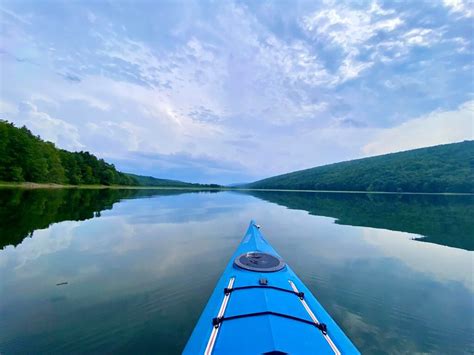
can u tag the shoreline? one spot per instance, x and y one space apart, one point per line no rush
359 192
33 186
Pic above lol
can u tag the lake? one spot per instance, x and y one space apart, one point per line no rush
137 266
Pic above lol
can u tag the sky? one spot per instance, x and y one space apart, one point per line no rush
233 91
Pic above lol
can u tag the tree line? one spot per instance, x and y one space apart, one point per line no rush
442 168
26 157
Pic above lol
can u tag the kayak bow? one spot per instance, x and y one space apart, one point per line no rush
260 306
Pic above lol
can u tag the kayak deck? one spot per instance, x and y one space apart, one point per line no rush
257 312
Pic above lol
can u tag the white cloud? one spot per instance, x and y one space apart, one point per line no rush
7 108
224 76
376 9
91 17
78 95
366 35
463 7
25 19
49 128
424 37
399 46
351 68
346 27
351 30
202 83
462 44
439 127
44 99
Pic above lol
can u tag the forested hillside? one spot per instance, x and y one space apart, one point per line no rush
25 157
152 181
443 168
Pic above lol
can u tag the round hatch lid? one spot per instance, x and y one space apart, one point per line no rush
261 262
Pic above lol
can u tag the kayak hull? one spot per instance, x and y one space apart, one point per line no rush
265 312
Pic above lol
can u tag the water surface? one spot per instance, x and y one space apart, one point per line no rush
395 271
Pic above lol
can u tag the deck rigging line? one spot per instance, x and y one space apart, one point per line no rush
315 320
218 320
215 330
229 290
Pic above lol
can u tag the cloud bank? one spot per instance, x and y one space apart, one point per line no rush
439 127
237 91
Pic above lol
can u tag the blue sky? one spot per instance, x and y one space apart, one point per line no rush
228 91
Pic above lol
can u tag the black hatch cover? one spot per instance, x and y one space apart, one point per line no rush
261 262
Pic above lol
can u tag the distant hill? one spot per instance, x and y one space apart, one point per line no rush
26 157
237 184
152 181
443 168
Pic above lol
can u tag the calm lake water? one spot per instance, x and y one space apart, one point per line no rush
395 271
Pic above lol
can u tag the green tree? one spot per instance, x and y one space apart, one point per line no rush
25 157
16 174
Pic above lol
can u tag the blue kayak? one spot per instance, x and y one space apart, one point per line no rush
260 306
